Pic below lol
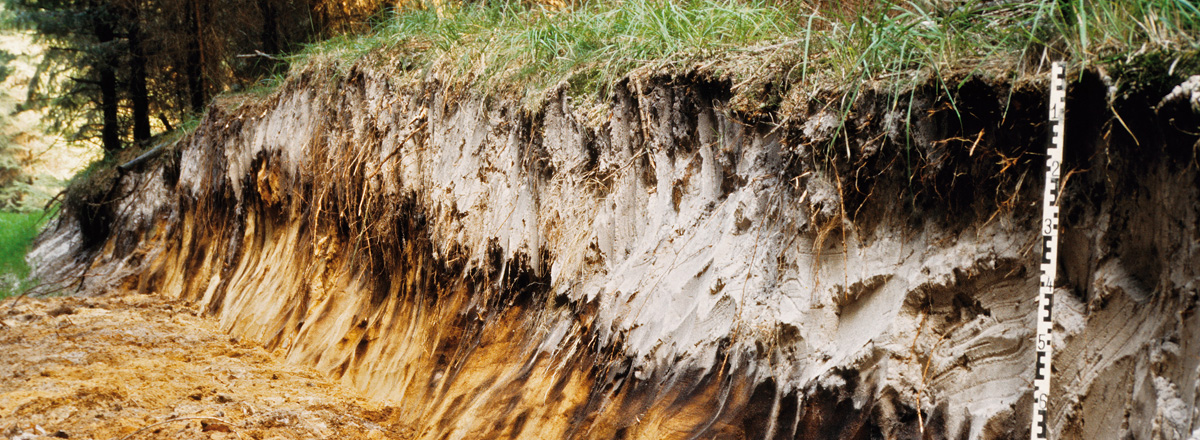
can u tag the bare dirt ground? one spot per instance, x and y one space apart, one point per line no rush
130 366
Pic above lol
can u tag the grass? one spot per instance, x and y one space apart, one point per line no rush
515 45
17 231
500 44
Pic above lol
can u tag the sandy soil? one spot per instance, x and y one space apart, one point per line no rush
129 366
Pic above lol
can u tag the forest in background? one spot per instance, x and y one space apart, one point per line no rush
116 72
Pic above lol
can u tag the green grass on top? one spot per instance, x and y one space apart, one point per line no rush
17 231
504 44
494 43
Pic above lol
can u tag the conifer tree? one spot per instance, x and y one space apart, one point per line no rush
116 66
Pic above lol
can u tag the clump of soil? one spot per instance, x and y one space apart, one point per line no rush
137 366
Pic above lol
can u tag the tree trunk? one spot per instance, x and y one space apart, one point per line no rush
137 81
195 59
110 131
268 38
270 29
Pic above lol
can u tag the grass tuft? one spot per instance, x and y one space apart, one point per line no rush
17 231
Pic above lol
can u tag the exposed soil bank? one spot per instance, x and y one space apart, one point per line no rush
675 269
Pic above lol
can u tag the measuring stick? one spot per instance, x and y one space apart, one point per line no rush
1045 348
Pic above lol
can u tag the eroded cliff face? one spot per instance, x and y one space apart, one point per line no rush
667 267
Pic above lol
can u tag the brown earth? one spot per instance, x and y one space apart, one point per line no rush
131 366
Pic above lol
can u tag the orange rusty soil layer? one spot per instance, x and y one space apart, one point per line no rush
139 367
